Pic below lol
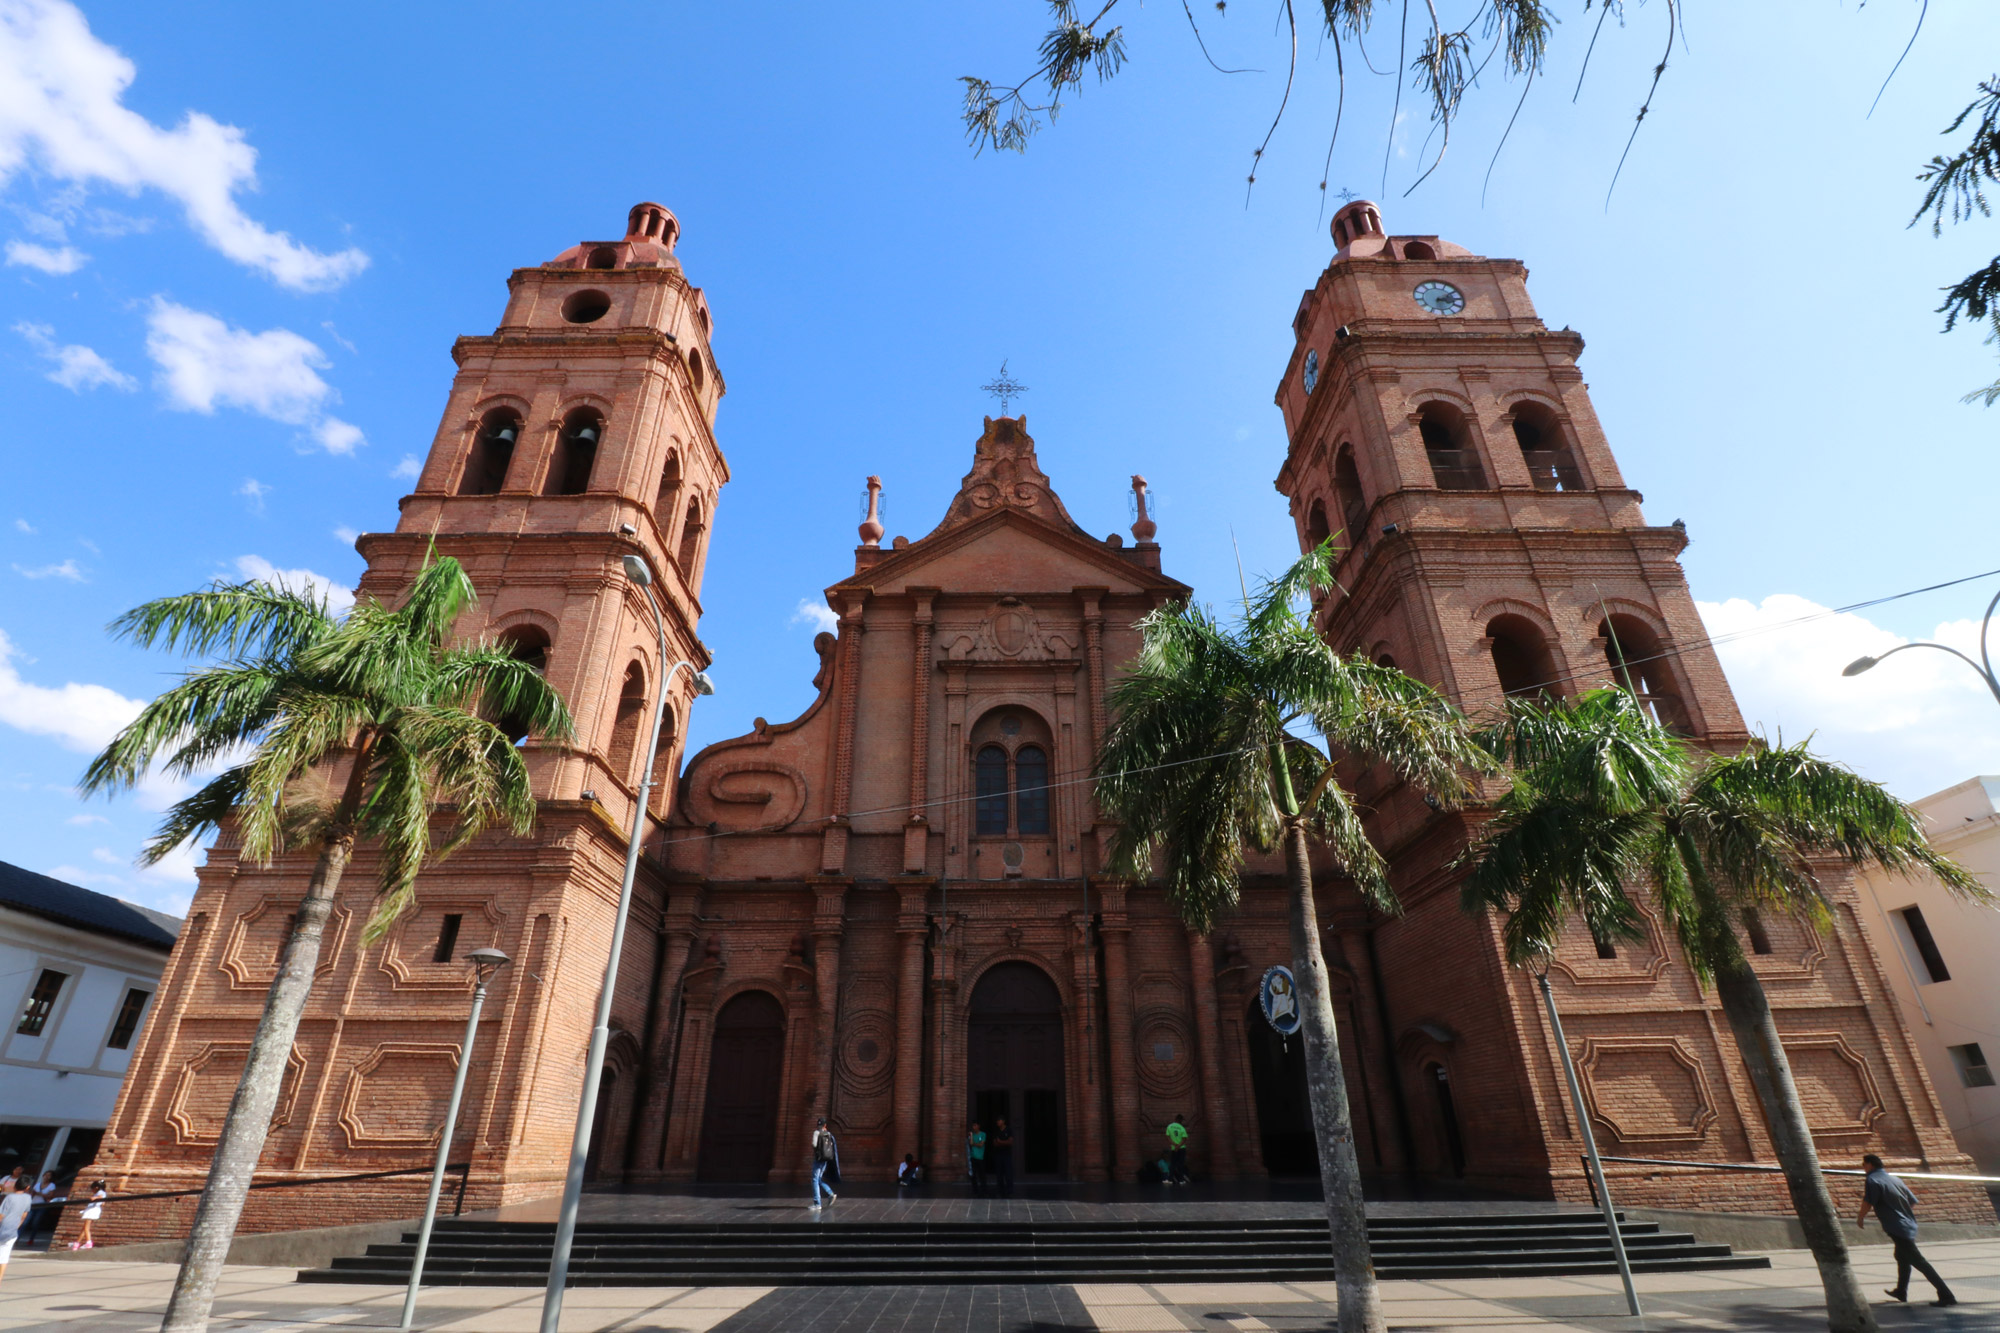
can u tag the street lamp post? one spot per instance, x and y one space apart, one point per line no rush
485 963
600 1032
1984 666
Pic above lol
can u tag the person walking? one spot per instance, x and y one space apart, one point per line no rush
14 1204
825 1157
975 1157
1177 1140
1003 1155
91 1212
1896 1207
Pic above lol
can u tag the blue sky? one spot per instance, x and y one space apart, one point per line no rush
239 242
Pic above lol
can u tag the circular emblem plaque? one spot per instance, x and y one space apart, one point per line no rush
1278 997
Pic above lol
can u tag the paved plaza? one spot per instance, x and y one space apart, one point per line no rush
66 1296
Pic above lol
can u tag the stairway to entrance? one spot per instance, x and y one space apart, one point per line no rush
830 1253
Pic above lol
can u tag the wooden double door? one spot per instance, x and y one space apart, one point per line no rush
739 1122
1014 1065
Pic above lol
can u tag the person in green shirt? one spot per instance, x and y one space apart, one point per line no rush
975 1157
1177 1139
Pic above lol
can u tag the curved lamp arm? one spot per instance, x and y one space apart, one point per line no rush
1984 666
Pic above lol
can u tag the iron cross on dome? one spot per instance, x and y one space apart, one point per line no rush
1004 387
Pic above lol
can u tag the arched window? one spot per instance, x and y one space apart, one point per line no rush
576 453
691 532
1544 449
1521 657
1031 790
663 766
696 371
604 256
989 789
1317 530
492 450
625 723
1638 662
1418 250
524 643
1454 462
670 493
1347 491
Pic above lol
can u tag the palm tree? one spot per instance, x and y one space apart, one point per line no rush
334 731
1605 797
1203 758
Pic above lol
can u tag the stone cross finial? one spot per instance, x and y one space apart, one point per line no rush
1143 527
871 527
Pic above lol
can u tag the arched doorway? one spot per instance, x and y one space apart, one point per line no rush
739 1121
1014 1064
1447 1113
600 1124
1284 1112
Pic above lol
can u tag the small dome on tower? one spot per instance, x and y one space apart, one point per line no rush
1357 228
650 232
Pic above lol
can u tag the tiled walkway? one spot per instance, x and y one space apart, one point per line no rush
64 1296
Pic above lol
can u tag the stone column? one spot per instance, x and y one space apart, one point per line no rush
652 1127
911 927
917 827
1118 1018
1215 1099
1089 1163
833 845
947 1076
827 936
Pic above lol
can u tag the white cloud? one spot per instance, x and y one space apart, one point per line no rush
256 567
819 615
22 525
80 717
84 821
1917 724
59 260
254 491
346 536
337 436
76 367
62 116
407 470
205 363
66 570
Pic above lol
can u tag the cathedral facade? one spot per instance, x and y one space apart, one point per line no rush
892 909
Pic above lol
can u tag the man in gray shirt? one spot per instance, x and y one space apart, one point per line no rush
14 1204
1896 1206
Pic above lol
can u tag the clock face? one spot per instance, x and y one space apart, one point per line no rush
1311 375
1440 298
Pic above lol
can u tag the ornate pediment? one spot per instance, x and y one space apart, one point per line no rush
1011 632
1005 475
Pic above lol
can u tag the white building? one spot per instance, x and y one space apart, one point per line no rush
78 972
1943 958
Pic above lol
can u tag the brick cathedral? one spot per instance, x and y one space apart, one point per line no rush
890 910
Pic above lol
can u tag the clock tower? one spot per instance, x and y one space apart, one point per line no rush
1488 543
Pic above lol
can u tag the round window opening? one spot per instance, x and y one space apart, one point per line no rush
866 1050
586 307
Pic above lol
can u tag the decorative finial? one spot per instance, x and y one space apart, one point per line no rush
871 526
1143 527
1004 387
1347 196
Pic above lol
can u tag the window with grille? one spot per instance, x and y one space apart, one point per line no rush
1973 1071
41 1002
129 1014
1925 943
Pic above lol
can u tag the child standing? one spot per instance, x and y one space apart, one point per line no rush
91 1212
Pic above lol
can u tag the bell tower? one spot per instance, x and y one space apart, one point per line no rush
1444 435
581 430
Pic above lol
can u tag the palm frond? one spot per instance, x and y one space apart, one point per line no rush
239 619
197 815
487 679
